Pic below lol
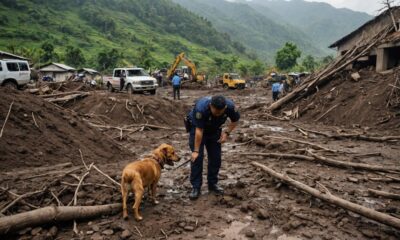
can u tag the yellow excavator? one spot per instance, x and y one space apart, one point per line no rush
193 70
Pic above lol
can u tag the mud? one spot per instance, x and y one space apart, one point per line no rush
255 205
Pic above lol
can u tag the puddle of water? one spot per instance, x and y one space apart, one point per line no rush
233 231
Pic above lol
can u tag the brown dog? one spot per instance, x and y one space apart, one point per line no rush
145 173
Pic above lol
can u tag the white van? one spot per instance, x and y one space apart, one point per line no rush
14 73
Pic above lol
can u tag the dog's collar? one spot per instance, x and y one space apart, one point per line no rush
159 161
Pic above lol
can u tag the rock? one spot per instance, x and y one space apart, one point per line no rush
295 224
108 232
240 184
22 150
352 179
36 231
250 233
95 228
96 236
53 231
189 228
307 235
89 232
262 214
368 232
182 224
244 208
126 234
24 231
73 123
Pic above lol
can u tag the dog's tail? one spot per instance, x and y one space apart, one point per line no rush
129 178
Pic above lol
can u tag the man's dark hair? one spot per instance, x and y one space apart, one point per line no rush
219 102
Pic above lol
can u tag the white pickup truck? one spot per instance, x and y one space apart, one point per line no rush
14 73
136 80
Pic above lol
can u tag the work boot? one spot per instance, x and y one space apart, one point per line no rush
217 190
195 194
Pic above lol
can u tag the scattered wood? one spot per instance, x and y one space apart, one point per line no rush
383 194
34 120
53 215
20 198
88 184
130 111
317 146
356 136
51 173
137 230
108 177
15 196
362 166
327 161
329 110
276 118
332 199
5 121
38 169
83 161
68 97
61 94
313 82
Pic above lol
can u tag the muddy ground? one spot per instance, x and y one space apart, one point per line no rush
255 205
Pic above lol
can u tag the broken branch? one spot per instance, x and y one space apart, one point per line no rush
332 199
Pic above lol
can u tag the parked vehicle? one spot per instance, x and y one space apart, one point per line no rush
136 80
233 81
14 73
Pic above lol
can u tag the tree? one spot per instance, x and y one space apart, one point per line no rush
309 63
287 56
108 59
74 57
257 68
326 60
145 59
48 52
244 70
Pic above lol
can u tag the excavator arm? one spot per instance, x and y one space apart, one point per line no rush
190 64
172 69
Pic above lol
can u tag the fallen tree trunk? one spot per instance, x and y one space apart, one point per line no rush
332 199
54 214
317 146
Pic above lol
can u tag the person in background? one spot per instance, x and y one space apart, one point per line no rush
276 86
176 85
122 80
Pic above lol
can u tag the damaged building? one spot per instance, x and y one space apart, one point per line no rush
385 54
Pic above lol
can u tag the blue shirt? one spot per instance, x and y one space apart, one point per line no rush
201 116
276 87
176 80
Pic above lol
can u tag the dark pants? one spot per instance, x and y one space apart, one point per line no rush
177 91
275 96
210 141
121 84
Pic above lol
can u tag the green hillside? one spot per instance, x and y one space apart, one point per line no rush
323 23
145 33
255 30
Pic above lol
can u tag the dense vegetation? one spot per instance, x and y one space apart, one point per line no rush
105 33
264 26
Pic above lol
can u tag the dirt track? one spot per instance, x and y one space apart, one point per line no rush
254 206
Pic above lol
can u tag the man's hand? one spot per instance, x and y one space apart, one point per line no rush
195 155
223 138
